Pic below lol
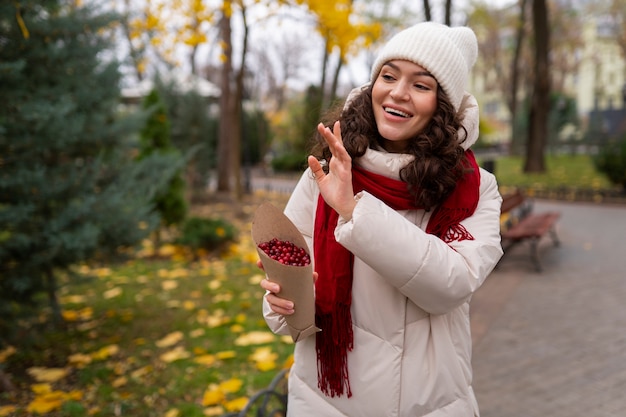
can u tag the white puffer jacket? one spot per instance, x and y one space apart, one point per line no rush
410 302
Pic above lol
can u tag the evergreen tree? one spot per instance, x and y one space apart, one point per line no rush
155 138
70 187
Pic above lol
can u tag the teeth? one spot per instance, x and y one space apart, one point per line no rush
396 112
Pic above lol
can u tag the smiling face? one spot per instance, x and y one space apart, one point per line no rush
404 99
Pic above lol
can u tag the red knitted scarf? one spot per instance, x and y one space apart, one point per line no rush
333 263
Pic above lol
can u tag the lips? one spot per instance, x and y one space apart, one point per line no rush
396 112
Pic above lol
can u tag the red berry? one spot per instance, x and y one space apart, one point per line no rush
285 252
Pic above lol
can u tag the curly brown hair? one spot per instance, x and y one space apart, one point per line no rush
439 157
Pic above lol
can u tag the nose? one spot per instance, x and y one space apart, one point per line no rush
399 91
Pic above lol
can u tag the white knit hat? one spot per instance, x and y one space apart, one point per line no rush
447 53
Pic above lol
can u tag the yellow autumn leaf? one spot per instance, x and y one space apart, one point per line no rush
237 328
178 273
6 352
206 360
213 411
263 354
189 305
41 374
255 338
197 333
236 405
72 299
175 354
139 372
119 382
42 405
167 250
231 386
112 293
79 360
40 389
170 339
169 285
264 366
172 413
7 410
105 352
75 395
256 279
214 284
226 354
212 396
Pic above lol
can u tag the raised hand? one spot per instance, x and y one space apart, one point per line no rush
336 186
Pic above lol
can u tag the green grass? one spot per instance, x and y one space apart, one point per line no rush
569 171
118 320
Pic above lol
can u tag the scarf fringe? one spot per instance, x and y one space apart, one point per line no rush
332 345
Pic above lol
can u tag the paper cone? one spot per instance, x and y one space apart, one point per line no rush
296 282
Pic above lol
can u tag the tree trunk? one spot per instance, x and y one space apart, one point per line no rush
540 102
134 54
238 110
448 12
51 289
333 91
515 75
227 121
427 15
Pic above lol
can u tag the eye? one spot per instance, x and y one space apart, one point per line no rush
387 77
423 87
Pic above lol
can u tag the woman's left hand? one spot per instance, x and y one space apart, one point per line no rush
336 186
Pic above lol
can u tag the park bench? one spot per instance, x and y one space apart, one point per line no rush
520 223
269 402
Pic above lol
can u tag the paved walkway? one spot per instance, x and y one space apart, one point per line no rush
554 343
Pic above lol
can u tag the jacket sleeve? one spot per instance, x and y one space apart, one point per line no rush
434 275
300 210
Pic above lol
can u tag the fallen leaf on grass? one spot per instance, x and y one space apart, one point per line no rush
231 386
254 338
6 410
41 374
169 285
119 382
79 360
236 405
196 333
139 372
206 360
6 352
47 400
213 411
264 358
105 352
78 315
213 396
226 354
170 339
175 354
112 293
172 413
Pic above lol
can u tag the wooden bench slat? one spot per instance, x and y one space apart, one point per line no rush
520 223
533 225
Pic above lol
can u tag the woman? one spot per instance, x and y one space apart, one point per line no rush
403 227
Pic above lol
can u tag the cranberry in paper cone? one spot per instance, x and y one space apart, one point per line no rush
296 282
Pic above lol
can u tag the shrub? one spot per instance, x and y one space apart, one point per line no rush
205 233
611 160
289 162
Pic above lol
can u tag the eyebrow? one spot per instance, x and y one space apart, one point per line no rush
425 73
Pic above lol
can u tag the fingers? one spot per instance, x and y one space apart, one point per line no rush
277 304
280 305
